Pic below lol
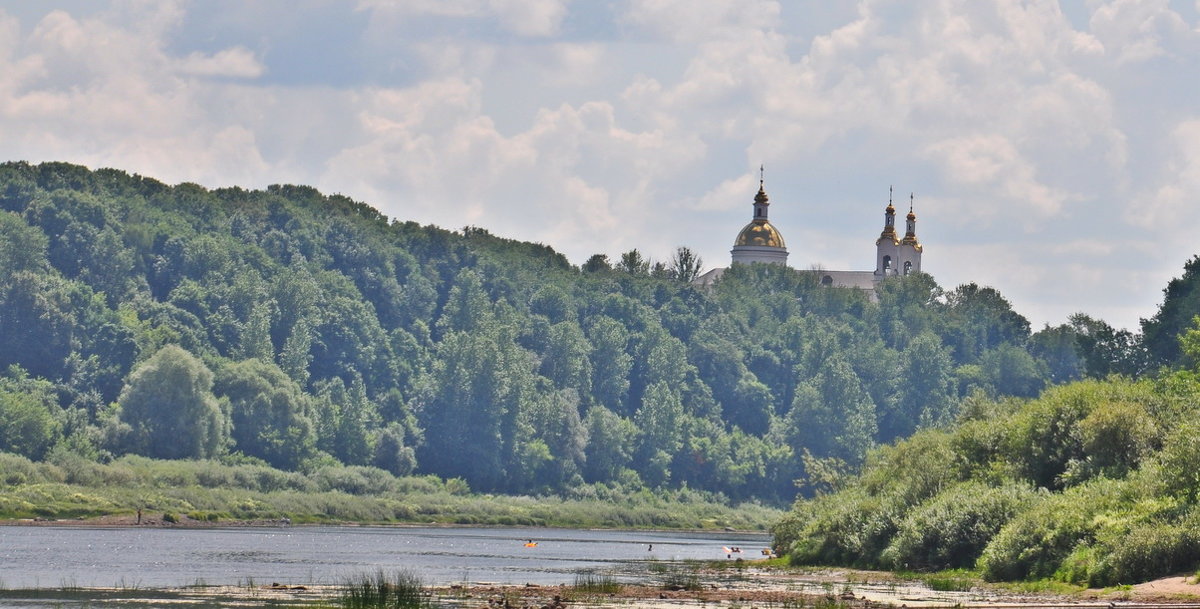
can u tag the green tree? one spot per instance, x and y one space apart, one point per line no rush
565 361
271 415
469 404
555 422
22 247
925 389
659 422
634 263
597 263
981 320
611 364
28 425
171 410
1106 350
610 444
1181 303
1058 349
832 416
391 453
1012 371
685 265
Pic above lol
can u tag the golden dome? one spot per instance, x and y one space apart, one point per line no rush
759 232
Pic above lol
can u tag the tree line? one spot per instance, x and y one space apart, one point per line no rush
299 329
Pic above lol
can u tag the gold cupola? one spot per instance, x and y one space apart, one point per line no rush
760 241
759 231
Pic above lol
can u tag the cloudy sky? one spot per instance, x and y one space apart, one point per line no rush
1053 147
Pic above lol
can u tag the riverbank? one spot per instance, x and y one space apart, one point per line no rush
746 585
185 521
208 491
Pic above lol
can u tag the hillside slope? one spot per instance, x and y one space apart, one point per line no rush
298 329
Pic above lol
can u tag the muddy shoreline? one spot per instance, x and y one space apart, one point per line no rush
752 586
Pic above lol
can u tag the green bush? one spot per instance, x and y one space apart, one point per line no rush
355 480
952 529
1147 551
16 470
1178 464
1035 542
848 528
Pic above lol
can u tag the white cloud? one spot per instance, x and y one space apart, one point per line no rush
730 194
687 21
991 164
1138 30
524 17
236 62
643 132
1171 206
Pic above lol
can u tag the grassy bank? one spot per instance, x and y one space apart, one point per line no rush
210 491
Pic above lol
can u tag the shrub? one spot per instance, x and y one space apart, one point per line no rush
1035 543
16 470
847 528
1144 552
355 480
1179 462
953 528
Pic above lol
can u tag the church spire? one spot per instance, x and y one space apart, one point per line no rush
889 221
910 228
760 200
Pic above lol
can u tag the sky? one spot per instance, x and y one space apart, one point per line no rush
1051 149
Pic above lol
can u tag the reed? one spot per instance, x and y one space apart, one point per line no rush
596 583
401 590
680 578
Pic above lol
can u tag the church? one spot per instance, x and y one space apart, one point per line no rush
760 241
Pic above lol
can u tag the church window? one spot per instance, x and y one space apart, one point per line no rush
887 263
907 267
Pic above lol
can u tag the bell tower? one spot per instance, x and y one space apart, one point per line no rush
893 256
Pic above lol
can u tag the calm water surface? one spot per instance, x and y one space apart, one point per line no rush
57 557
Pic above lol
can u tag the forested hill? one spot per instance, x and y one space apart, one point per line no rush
303 329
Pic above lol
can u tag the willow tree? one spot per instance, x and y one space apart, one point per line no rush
170 408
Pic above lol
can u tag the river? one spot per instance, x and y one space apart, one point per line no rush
56 557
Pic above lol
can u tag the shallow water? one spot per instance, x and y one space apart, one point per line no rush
51 557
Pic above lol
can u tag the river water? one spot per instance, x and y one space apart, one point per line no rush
56 557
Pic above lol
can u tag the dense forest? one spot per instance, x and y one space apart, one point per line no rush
293 329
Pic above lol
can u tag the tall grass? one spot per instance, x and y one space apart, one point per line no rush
593 583
69 486
401 590
677 577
